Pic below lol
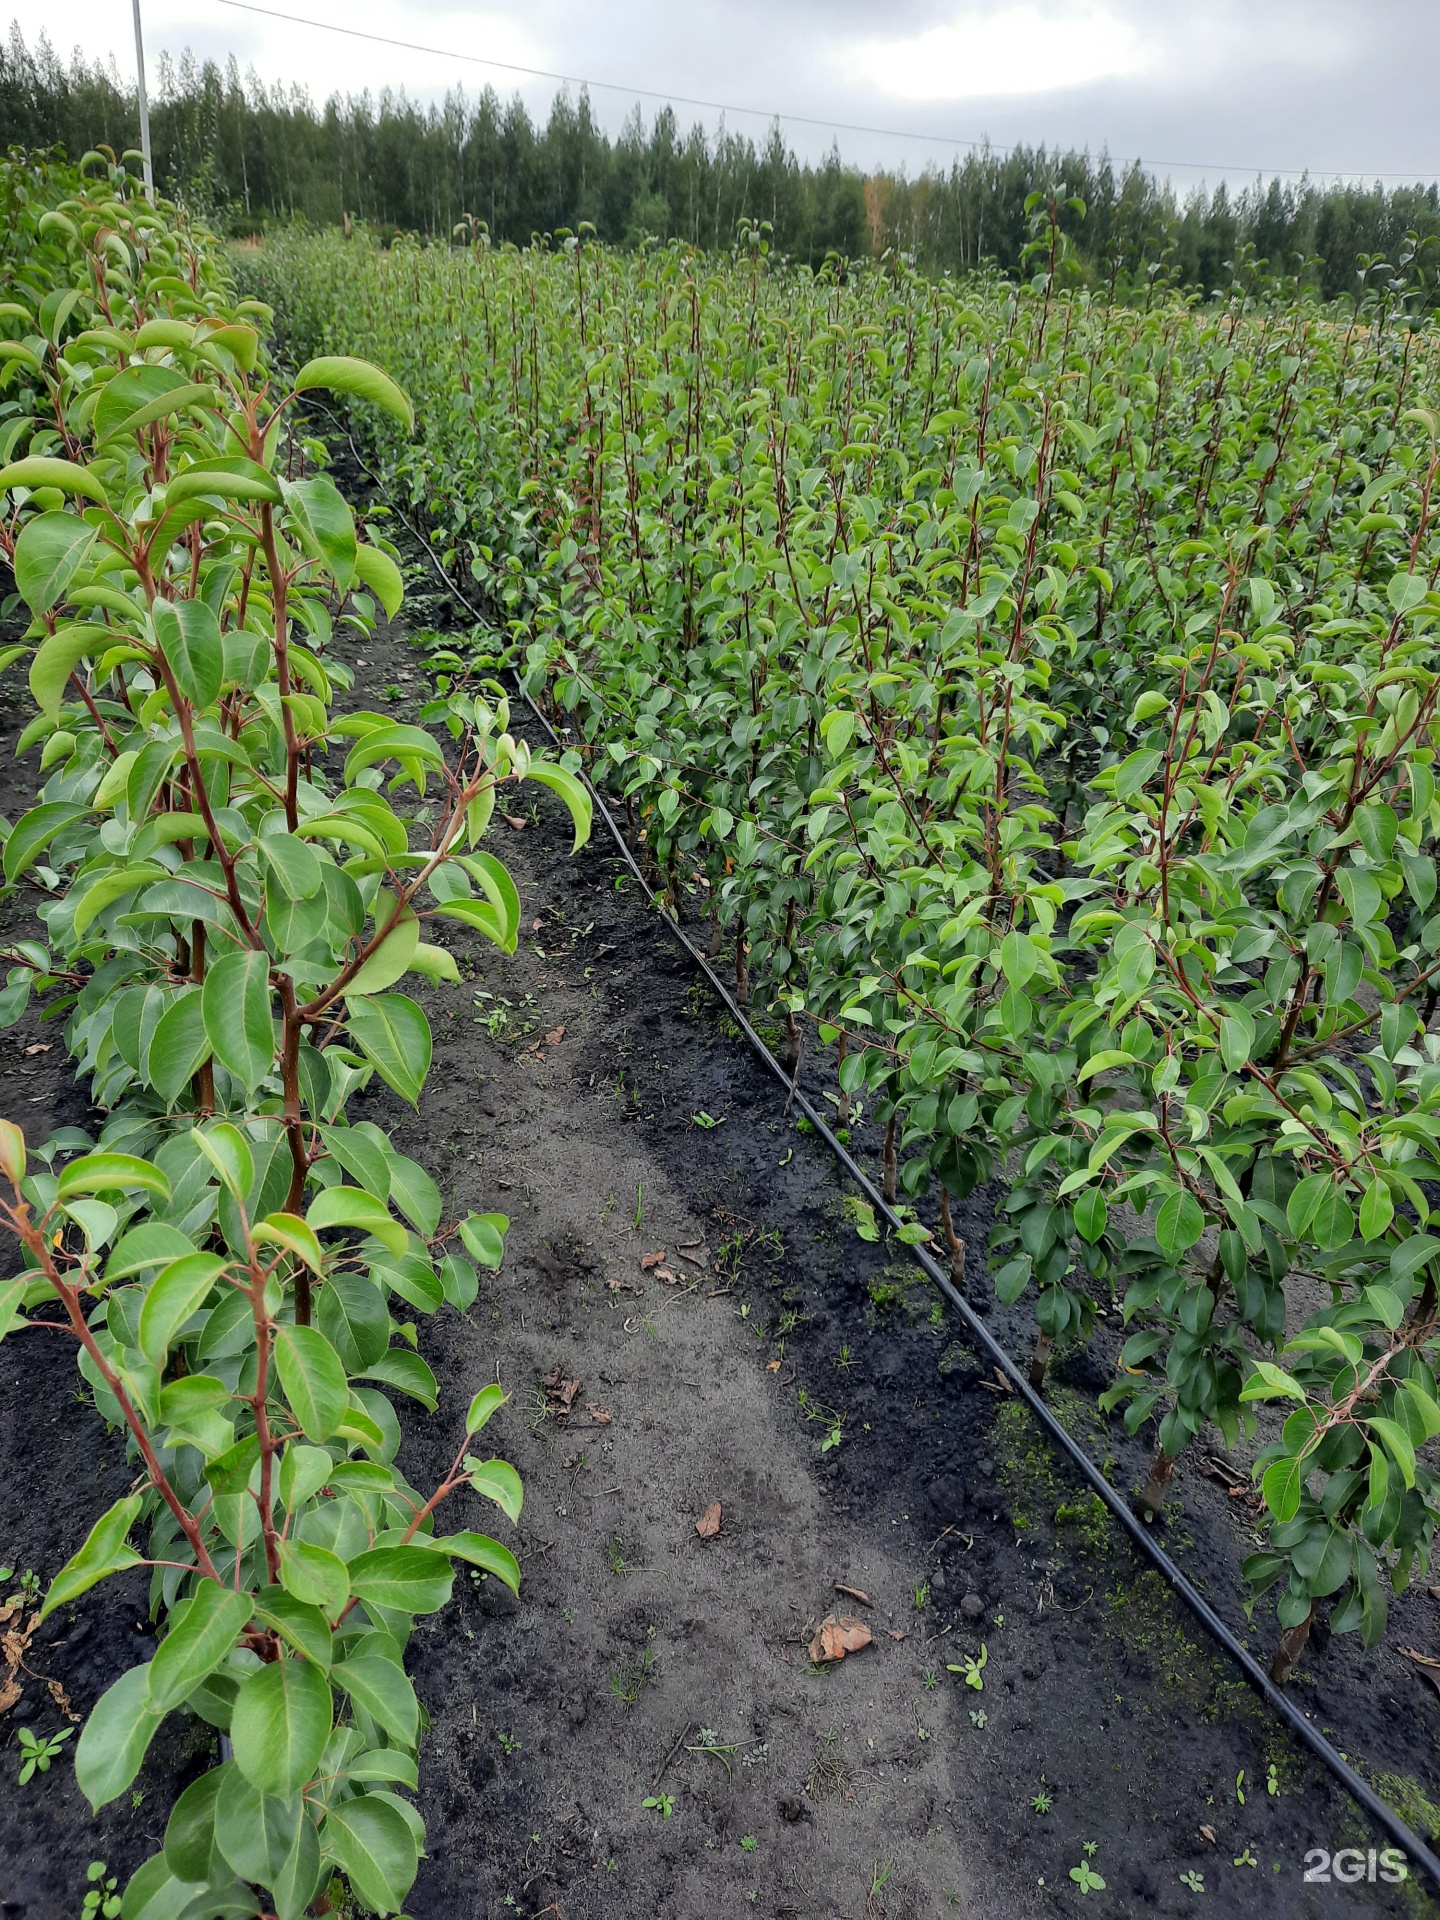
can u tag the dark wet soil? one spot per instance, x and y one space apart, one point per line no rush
589 1088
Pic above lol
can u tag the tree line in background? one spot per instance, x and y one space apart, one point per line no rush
242 154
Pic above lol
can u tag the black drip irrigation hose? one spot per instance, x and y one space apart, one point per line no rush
1417 1853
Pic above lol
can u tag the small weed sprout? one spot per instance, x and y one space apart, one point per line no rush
972 1669
661 1803
1044 1799
1193 1880
102 1901
36 1754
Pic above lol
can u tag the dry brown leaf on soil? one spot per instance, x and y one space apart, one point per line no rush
514 821
708 1525
39 1046
598 1414
772 1366
1428 1669
559 1391
555 1036
670 1277
649 1260
853 1593
10 1691
62 1701
1209 1833
838 1635
700 1259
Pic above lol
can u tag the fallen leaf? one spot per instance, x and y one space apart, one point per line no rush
40 1046
837 1636
695 1259
62 1701
708 1525
513 820
853 1593
535 926
559 1391
10 1691
772 1366
553 1038
598 1414
649 1260
1209 1833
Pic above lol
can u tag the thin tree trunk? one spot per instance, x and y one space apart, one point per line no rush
1040 1360
888 1186
1289 1648
1150 1502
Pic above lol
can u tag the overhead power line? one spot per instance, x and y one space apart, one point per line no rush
761 113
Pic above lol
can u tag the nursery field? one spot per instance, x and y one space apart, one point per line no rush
1031 702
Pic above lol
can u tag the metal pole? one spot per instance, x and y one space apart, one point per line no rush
144 103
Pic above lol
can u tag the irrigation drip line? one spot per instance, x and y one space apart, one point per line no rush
1417 1853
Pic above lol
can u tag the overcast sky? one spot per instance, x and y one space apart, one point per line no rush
1192 87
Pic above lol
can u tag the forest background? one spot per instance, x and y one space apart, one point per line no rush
245 155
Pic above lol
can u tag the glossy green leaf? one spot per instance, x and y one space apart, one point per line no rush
281 1721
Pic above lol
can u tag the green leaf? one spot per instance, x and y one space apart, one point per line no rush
1237 1039
175 1293
487 1401
300 1623
179 1046
357 378
294 1234
1377 1210
1269 1382
371 1842
236 1006
353 1207
391 958
1398 1445
498 1481
254 1831
202 1633
571 790
484 1237
109 1173
190 1851
235 478
64 475
104 1552
56 659
113 1741
1281 1488
479 1550
321 520
382 1687
415 1193
377 571
293 864
1179 1224
407 1373
407 1578
394 1036
1092 1215
315 1575
34 831
393 741
280 1723
188 634
313 1379
51 550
